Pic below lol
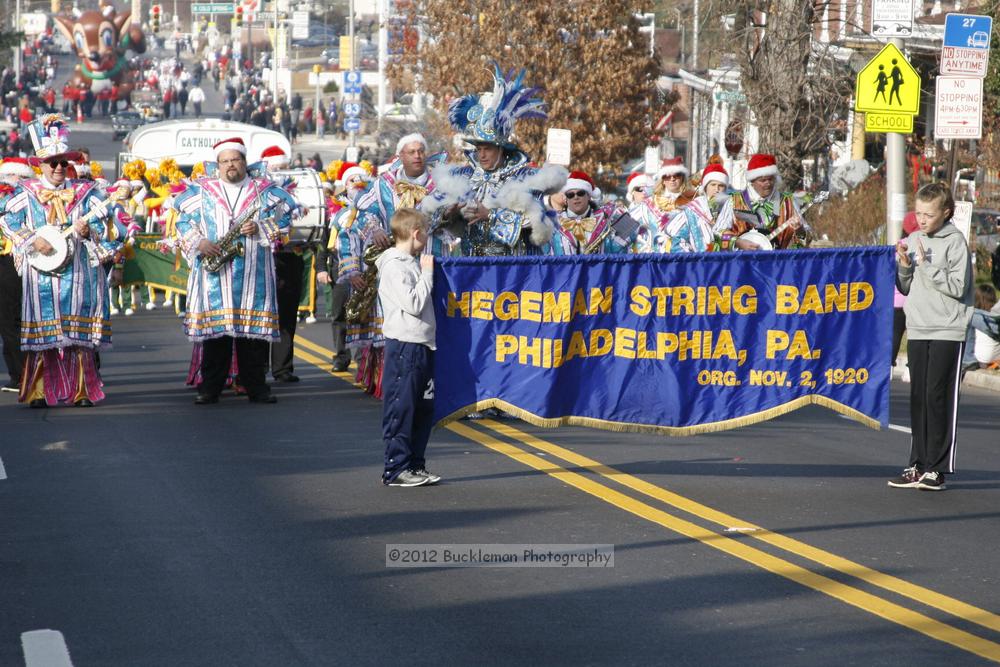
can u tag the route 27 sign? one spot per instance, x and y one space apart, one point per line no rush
966 48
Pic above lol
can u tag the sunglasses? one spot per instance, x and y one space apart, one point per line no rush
673 176
573 194
58 163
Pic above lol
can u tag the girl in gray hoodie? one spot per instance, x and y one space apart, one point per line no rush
935 272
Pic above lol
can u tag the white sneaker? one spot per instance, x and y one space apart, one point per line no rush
167 303
115 311
310 320
150 306
906 374
129 311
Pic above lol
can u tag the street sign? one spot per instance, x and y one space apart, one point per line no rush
352 109
961 217
892 18
901 123
958 110
211 8
558 146
300 25
346 56
966 47
888 84
352 124
352 81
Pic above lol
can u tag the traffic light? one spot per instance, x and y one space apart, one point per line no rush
154 15
239 16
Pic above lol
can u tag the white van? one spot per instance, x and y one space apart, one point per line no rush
190 141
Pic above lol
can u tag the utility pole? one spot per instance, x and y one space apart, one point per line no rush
895 179
354 59
19 45
383 55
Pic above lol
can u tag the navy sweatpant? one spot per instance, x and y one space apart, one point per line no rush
407 405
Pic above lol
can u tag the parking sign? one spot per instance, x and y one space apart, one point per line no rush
966 47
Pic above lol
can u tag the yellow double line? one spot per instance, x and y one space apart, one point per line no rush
851 595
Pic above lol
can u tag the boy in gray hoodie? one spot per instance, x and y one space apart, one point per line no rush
404 290
935 272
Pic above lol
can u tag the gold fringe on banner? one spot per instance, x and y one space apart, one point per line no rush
629 427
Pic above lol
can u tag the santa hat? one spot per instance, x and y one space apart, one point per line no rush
274 157
410 139
578 180
637 180
714 173
349 170
232 144
16 166
761 164
671 166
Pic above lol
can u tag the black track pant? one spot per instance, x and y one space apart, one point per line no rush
935 374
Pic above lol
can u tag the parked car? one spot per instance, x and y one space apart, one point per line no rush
124 122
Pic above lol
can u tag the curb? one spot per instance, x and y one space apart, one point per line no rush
982 379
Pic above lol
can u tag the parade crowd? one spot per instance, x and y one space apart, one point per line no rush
232 221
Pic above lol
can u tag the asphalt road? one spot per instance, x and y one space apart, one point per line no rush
150 531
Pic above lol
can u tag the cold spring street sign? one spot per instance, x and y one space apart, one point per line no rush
966 48
958 110
888 84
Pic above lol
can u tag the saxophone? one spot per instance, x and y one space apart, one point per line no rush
230 245
360 303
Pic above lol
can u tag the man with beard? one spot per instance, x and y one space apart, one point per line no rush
236 303
761 207
406 184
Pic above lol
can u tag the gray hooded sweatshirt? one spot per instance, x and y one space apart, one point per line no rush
405 293
939 292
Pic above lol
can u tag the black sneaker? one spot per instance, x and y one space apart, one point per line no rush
408 478
909 479
431 477
12 387
340 365
931 481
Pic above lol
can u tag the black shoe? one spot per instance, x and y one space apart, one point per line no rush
264 398
908 479
285 378
931 481
84 403
341 365
38 403
205 399
11 386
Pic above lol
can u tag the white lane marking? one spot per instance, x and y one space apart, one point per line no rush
892 427
45 648
3 473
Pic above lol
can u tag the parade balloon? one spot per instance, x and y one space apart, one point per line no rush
101 39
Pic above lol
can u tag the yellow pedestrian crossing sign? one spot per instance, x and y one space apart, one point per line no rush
888 84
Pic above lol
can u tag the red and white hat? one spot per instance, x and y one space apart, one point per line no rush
274 157
349 170
232 144
16 166
670 166
714 173
638 180
761 164
579 180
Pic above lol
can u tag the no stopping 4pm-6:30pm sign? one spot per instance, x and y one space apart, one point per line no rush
958 108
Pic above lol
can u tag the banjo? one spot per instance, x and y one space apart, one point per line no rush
763 241
61 256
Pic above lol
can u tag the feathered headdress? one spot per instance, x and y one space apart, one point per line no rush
489 118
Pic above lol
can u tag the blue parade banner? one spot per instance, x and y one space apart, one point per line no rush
672 344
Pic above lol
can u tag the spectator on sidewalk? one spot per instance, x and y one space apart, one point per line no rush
196 98
935 273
